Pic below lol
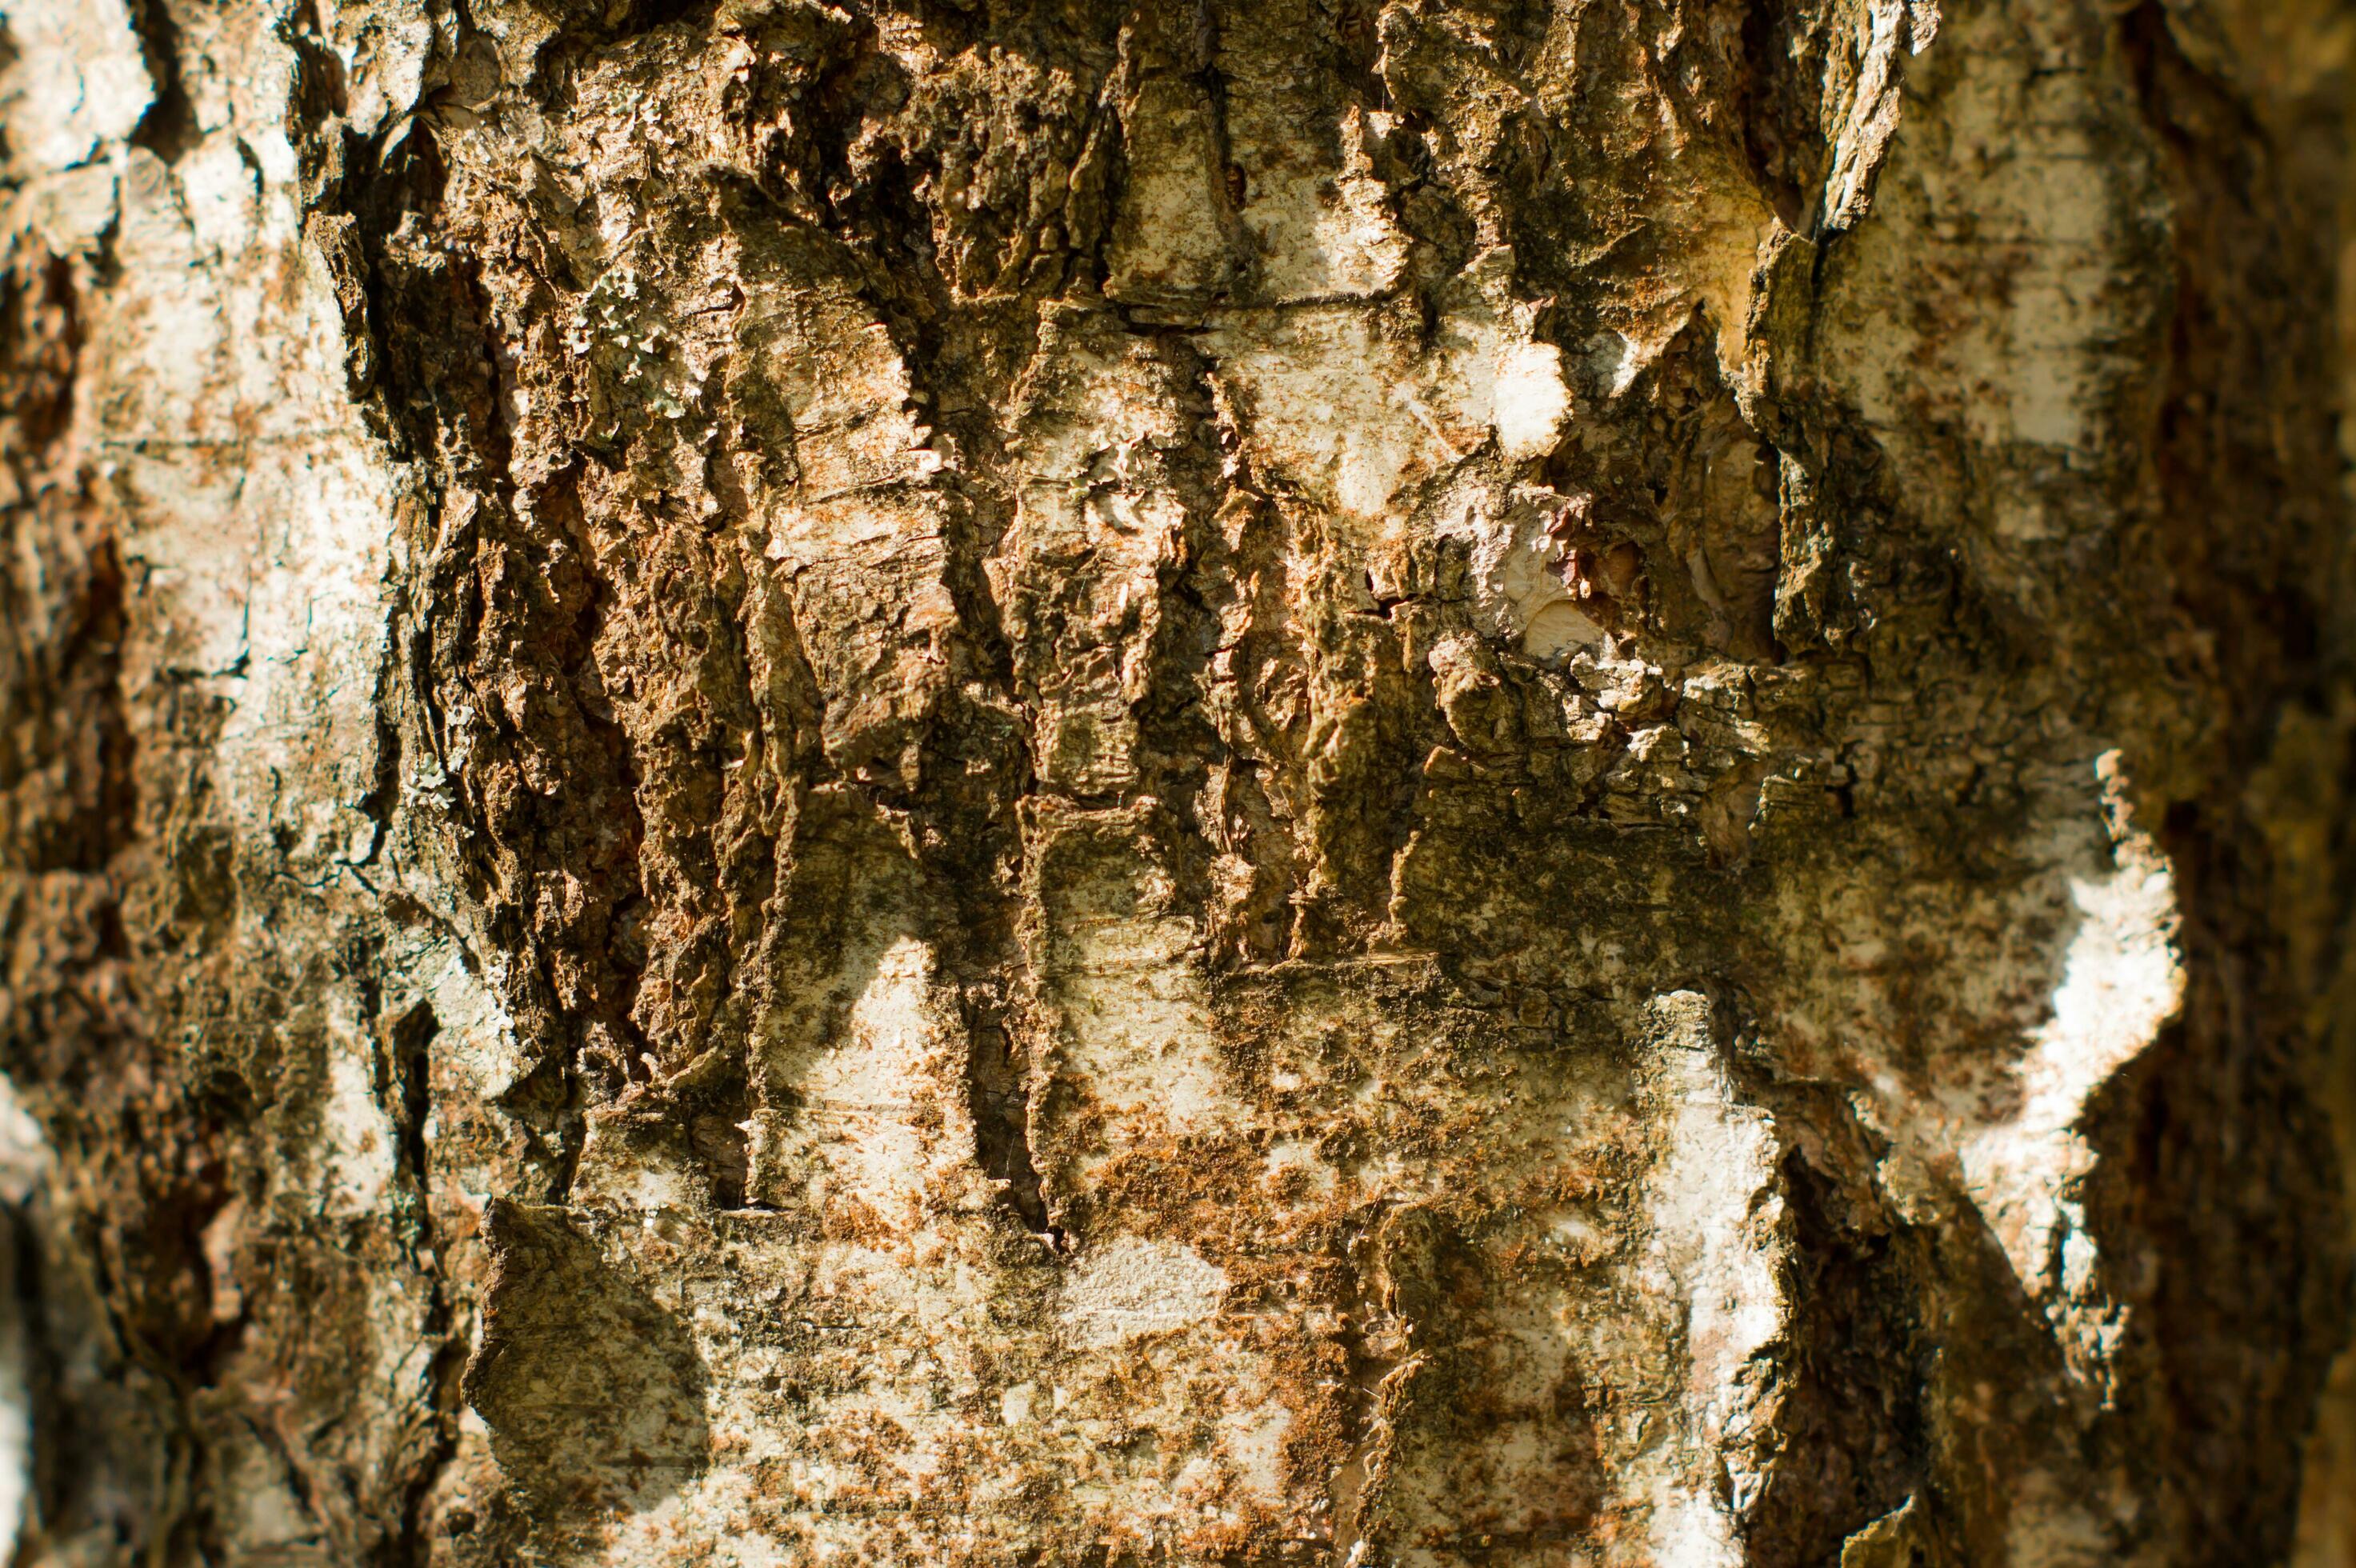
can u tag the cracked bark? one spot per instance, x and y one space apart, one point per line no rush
1360 782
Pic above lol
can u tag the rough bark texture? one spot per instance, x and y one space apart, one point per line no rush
1413 782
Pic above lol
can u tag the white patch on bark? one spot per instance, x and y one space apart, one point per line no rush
1713 1252
1170 242
360 1147
1345 405
1519 592
384 49
1252 1438
862 1098
1136 1034
877 1120
1323 234
78 81
1133 1286
1531 402
259 508
2122 983
2030 373
475 1036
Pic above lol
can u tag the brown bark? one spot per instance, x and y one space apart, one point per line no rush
1352 782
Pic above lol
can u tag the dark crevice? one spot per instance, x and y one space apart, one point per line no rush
999 1103
409 1040
508 594
716 1137
404 1089
1786 166
90 662
384 789
1231 187
2215 1155
2247 281
979 772
414 1546
60 1458
2235 1333
169 128
1854 1443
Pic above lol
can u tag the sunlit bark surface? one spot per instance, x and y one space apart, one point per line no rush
1407 782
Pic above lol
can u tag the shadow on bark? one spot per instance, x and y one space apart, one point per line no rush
594 1392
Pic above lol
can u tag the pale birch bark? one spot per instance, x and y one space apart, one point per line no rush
1316 781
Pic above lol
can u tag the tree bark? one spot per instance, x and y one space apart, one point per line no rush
1265 781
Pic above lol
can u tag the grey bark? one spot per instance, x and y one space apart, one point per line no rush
1324 781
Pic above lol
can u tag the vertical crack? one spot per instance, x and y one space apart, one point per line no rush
410 1042
1001 1105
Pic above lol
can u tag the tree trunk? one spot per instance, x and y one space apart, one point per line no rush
1527 782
